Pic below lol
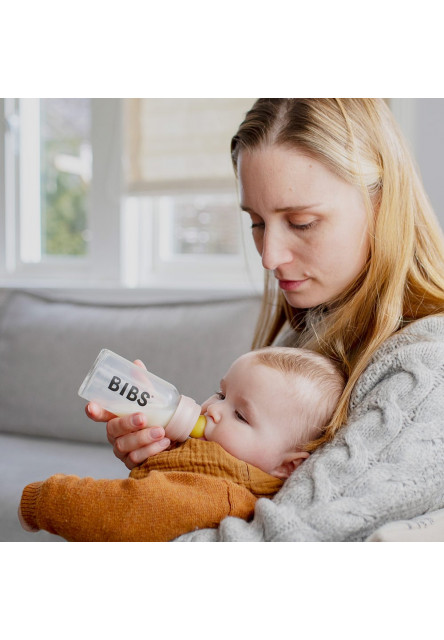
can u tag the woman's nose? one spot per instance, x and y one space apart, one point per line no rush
275 251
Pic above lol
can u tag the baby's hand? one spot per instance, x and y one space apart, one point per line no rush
24 524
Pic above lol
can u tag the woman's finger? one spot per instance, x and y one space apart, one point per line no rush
96 413
140 455
124 425
138 439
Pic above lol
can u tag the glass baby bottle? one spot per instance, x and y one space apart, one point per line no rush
122 387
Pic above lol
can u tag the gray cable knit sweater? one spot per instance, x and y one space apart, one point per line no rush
386 464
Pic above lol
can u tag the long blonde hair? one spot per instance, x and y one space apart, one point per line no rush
403 280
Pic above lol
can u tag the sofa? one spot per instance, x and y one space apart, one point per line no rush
50 338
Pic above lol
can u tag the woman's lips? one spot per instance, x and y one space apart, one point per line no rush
291 285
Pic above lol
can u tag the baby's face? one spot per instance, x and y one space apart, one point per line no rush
252 415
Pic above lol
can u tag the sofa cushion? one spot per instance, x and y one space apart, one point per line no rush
24 459
48 342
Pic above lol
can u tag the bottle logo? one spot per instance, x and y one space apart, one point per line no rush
133 391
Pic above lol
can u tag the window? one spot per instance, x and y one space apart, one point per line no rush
65 174
180 189
123 192
55 170
56 196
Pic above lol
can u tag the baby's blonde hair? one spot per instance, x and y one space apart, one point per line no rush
321 386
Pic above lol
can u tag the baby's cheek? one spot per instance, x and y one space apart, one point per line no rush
214 433
234 443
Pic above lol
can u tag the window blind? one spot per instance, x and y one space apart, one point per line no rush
179 141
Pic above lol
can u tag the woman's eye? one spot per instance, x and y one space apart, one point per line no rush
303 227
256 222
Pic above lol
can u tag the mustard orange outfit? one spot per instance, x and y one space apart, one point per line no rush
193 486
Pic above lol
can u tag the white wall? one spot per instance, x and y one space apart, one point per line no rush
422 120
429 149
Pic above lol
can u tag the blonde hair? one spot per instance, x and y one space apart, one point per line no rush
403 279
317 399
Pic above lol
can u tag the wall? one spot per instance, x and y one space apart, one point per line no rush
429 146
422 120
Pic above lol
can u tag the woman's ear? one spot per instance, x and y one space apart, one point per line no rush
289 464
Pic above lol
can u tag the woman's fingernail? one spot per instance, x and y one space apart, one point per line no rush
138 420
157 433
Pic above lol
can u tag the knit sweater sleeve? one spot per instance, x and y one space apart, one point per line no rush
384 465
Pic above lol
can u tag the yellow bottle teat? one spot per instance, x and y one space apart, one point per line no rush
199 427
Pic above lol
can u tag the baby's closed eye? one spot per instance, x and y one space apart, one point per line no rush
240 417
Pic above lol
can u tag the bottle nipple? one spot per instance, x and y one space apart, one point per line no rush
187 414
199 427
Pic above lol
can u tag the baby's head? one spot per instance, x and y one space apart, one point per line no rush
271 403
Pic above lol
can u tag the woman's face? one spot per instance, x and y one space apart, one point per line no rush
309 226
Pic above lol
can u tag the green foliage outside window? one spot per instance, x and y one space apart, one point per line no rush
65 217
64 205
65 125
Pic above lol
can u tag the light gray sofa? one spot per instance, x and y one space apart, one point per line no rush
48 341
50 338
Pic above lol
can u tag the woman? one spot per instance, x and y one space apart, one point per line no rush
354 261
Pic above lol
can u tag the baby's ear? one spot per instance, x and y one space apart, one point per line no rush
289 464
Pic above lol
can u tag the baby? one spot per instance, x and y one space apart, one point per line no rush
272 402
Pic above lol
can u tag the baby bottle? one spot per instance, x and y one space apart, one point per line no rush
121 387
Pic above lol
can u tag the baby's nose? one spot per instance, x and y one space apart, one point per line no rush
214 410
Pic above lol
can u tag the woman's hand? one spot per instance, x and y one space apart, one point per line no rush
132 440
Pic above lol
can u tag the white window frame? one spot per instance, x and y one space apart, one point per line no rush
18 206
146 264
125 247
